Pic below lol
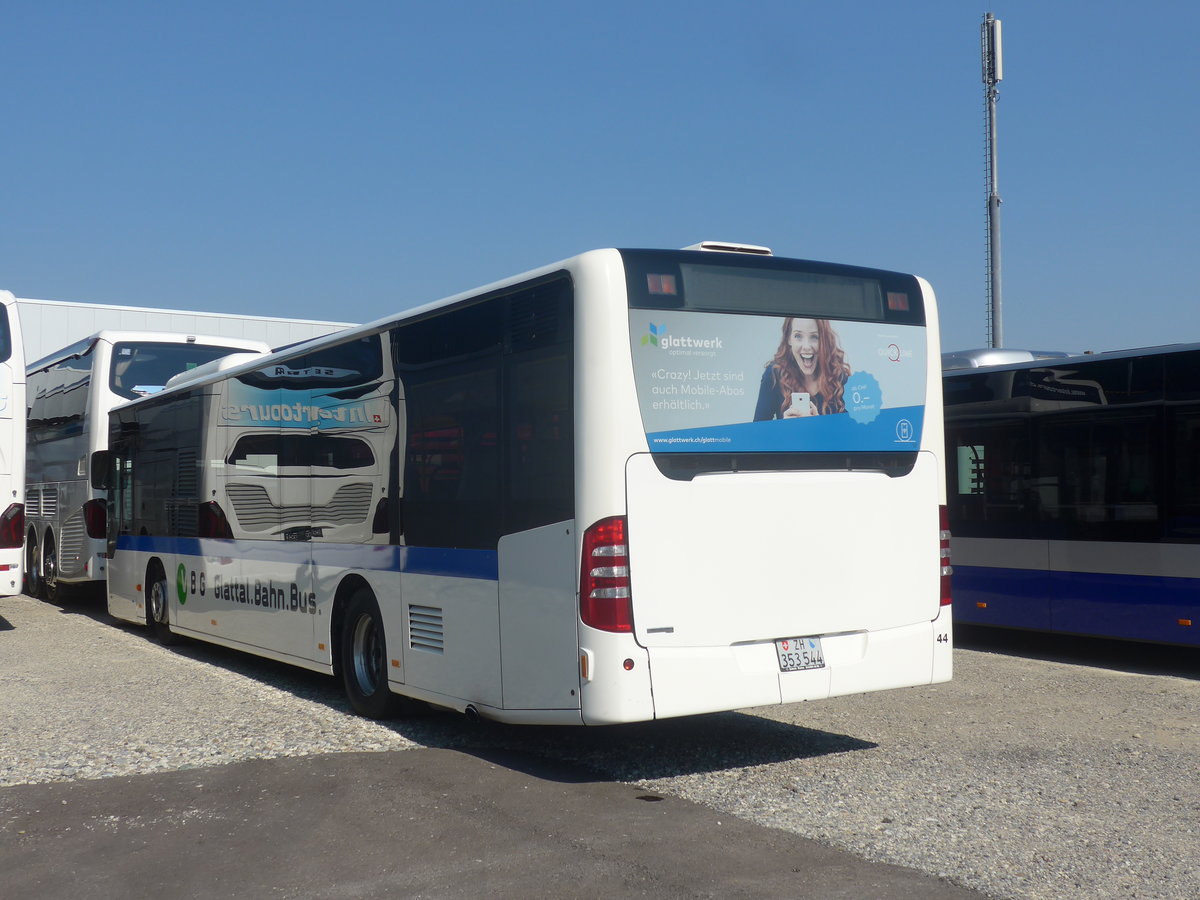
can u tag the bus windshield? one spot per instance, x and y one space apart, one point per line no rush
141 367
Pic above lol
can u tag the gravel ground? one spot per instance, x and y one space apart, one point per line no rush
1026 777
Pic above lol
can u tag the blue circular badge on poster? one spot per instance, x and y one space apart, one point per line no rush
863 397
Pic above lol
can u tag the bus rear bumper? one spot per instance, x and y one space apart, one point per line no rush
696 680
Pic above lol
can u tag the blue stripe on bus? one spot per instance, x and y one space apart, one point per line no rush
1133 607
444 561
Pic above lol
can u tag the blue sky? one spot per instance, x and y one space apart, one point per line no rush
346 161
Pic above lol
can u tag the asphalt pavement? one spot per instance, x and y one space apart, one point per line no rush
416 823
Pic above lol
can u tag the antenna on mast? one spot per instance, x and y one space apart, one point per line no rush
993 72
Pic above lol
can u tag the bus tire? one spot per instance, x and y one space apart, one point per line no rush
364 658
32 582
158 610
49 568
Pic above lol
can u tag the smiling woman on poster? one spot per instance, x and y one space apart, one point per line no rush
807 376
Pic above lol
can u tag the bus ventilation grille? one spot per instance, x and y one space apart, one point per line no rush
257 511
43 503
70 549
426 628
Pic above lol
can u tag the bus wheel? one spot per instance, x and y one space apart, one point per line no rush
158 615
32 585
364 658
49 569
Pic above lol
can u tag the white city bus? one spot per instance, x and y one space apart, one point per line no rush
69 395
627 486
12 446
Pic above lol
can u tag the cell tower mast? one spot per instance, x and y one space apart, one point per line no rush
993 71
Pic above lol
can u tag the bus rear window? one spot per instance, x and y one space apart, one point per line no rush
275 451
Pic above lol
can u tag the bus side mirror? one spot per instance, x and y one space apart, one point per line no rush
101 461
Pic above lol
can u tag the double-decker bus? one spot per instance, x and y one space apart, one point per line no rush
12 446
631 485
1074 493
69 394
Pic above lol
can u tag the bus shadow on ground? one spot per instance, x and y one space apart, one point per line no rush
1135 657
692 745
73 600
634 752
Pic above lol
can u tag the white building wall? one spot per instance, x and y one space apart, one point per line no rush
49 325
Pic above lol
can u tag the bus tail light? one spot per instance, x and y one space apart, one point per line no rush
604 596
95 518
12 526
213 523
944 537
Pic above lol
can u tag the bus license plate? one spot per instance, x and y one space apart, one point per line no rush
797 654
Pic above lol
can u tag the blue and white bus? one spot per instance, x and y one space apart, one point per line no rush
630 485
1074 493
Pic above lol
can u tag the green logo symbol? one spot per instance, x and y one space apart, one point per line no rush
656 331
181 584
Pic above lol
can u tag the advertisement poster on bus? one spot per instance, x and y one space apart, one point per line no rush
713 382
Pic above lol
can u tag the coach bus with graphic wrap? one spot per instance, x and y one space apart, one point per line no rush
12 446
69 394
1074 493
627 486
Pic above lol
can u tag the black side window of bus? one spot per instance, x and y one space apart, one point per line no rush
164 468
122 489
538 408
988 455
991 493
57 398
1071 452
1099 448
355 363
1099 475
487 395
5 335
1182 515
449 369
539 416
1181 497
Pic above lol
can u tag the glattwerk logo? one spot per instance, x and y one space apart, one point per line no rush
657 336
653 335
